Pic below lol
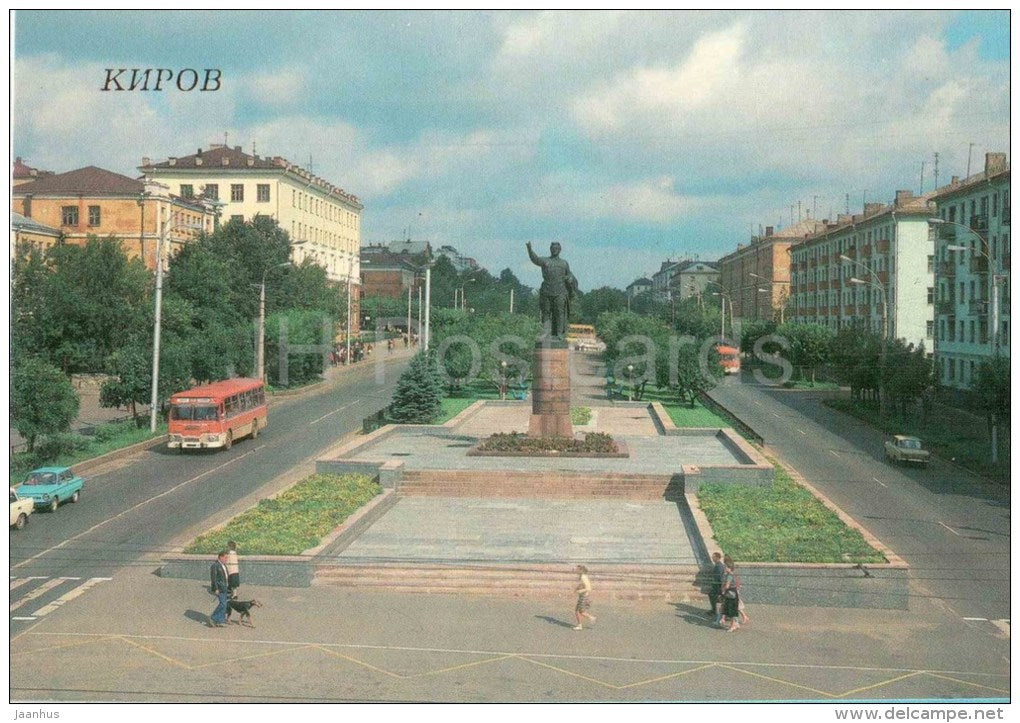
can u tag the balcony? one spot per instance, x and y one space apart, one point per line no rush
977 307
848 310
882 246
866 251
979 222
883 277
947 232
823 260
1005 216
947 306
834 310
811 286
947 268
978 264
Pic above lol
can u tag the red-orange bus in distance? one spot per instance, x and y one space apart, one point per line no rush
729 358
214 415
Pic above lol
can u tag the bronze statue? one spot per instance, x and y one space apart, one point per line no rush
558 289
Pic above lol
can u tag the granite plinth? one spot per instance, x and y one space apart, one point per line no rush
550 393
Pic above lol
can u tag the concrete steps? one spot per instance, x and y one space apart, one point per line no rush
673 583
538 485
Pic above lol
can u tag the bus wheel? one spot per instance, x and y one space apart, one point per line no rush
230 440
255 429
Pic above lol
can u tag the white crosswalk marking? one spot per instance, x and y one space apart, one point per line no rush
1002 625
38 592
15 584
67 597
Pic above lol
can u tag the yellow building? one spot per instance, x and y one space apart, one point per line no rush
92 201
26 231
323 220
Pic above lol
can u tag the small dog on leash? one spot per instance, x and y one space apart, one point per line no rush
243 608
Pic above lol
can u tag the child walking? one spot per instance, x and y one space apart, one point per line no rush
583 591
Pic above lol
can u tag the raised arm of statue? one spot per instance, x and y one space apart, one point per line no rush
537 260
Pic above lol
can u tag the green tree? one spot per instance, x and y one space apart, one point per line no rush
130 383
303 328
598 301
907 374
810 344
855 352
43 401
991 389
754 330
417 396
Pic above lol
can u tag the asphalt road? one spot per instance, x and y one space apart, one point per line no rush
137 505
951 526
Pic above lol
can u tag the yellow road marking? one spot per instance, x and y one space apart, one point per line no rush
567 672
65 645
459 667
358 662
158 654
250 657
879 685
665 677
778 680
965 682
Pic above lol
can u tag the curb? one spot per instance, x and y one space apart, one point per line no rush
85 465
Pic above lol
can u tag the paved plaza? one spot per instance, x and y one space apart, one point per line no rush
516 530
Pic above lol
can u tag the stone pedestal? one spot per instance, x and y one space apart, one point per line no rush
550 395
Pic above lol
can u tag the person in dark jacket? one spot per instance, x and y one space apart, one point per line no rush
218 575
718 572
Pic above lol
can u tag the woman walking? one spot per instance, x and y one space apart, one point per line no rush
583 591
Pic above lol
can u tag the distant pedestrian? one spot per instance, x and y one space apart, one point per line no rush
221 589
744 619
731 597
233 568
718 572
583 591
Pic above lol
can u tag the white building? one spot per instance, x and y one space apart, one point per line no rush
891 255
323 220
972 257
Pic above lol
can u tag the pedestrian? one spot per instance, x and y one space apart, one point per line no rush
233 569
583 591
744 619
221 589
730 597
718 572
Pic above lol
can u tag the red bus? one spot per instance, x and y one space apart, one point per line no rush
214 415
729 358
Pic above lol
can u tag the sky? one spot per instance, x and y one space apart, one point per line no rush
629 137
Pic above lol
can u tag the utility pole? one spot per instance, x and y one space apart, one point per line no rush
428 301
419 313
970 147
260 350
348 358
935 171
511 299
409 317
920 191
154 399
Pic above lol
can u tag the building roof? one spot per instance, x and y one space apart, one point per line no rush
220 157
407 246
991 173
24 223
22 171
685 265
87 181
386 261
640 282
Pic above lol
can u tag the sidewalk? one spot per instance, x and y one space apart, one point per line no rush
328 644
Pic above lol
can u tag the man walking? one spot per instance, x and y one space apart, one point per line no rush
718 573
218 574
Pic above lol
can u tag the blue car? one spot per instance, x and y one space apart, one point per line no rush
49 486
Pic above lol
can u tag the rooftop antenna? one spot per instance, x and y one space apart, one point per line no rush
791 214
225 143
970 148
920 191
936 169
253 148
848 204
798 211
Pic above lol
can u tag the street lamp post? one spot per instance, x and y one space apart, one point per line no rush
782 306
502 379
723 298
877 283
994 321
630 382
260 350
165 228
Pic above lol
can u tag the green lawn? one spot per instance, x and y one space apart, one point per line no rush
452 406
64 450
782 523
294 521
948 436
696 416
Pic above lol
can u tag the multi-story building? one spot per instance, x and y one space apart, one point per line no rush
92 201
22 173
661 279
972 268
845 274
461 263
638 286
762 264
26 231
693 278
323 220
387 274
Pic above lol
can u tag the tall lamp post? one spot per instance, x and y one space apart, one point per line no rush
260 350
165 228
782 306
877 283
994 321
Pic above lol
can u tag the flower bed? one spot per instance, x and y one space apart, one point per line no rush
516 444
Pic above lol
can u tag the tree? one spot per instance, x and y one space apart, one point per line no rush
417 397
991 388
303 329
809 344
596 302
855 353
754 330
43 401
687 378
131 380
907 374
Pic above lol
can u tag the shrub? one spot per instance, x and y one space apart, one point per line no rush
593 442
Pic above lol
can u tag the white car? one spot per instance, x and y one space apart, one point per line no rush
21 508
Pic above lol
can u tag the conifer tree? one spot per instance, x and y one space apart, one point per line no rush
416 400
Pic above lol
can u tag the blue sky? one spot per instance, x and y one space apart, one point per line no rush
629 137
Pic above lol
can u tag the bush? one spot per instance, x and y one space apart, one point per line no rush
56 445
593 442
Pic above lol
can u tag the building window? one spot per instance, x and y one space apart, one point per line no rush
68 215
236 191
187 190
931 264
931 296
94 216
262 193
211 192
930 330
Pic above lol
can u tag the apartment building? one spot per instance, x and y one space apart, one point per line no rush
694 278
323 220
638 286
93 201
764 263
972 268
846 273
23 173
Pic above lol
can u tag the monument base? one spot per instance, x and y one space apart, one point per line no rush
550 397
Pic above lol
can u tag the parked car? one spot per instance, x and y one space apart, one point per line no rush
906 449
49 486
21 508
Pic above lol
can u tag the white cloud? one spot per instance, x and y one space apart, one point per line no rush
284 87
